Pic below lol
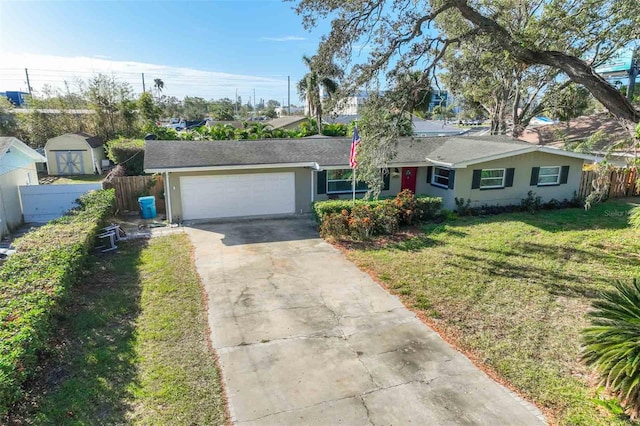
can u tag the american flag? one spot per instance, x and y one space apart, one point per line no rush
354 144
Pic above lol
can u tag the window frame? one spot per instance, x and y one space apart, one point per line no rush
504 179
434 175
557 182
344 191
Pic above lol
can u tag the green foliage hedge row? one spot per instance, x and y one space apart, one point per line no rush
430 206
34 282
364 219
129 153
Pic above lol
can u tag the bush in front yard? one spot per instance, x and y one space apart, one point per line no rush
34 282
429 206
322 208
364 219
335 224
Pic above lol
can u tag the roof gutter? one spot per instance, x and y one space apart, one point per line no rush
312 165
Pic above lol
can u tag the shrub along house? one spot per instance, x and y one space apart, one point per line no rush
221 179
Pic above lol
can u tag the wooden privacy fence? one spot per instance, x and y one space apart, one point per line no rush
129 188
622 183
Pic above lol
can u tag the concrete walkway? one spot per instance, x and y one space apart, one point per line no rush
304 337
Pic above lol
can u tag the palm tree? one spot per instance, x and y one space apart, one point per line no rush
612 343
158 84
321 77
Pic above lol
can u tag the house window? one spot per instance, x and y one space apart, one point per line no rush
340 180
492 178
549 175
440 177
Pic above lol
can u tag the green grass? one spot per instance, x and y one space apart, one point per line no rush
132 346
513 290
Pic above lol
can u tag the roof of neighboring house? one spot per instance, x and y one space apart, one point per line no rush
343 119
289 120
8 142
328 152
92 141
577 129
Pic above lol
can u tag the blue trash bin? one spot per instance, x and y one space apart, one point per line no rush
147 207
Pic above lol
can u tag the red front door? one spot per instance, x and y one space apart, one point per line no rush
409 175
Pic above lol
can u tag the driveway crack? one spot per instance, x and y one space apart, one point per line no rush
346 339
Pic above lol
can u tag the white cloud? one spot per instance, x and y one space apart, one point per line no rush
178 81
285 38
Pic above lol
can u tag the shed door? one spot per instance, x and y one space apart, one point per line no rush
221 196
70 162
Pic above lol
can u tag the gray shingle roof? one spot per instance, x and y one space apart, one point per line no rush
463 149
324 151
93 141
285 121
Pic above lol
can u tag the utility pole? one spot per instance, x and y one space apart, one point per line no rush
289 94
235 106
143 88
26 72
255 104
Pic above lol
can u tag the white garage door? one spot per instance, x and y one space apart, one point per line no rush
208 197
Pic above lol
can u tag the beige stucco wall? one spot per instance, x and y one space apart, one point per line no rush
10 206
72 143
522 176
302 185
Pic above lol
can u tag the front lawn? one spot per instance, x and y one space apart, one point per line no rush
512 290
132 345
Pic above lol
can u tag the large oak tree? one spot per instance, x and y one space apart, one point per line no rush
566 36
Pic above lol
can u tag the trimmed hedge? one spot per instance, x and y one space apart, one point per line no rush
430 206
129 153
34 282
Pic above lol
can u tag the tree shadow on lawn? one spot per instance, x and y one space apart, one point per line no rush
556 281
609 215
87 375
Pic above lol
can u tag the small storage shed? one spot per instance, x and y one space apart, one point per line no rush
74 154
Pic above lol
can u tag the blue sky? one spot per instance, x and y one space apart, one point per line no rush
202 48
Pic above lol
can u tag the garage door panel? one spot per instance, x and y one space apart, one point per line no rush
254 194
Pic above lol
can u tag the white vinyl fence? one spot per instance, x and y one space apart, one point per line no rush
42 203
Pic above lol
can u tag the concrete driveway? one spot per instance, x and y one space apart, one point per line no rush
305 337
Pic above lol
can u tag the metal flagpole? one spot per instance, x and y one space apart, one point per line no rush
354 184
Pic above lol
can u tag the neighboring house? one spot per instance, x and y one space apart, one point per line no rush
220 179
74 154
17 167
577 130
289 122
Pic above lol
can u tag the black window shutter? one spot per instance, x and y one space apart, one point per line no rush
564 174
535 171
429 174
508 180
321 184
452 178
385 180
477 175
